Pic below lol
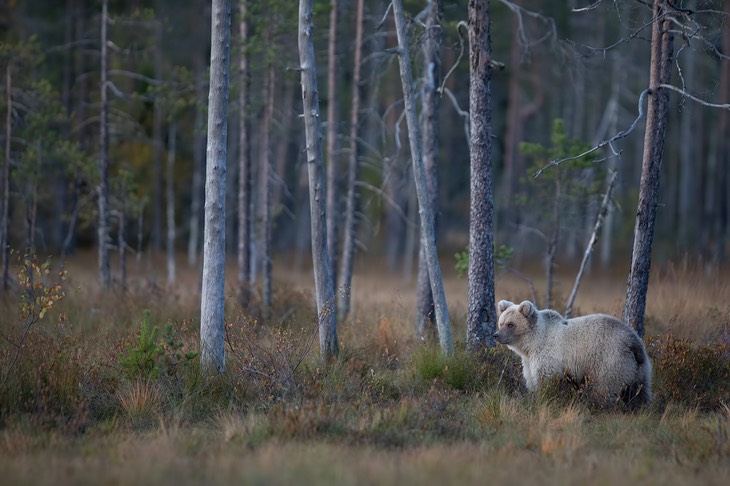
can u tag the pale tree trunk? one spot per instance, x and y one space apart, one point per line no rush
245 221
656 121
431 129
157 126
428 234
198 165
353 168
103 164
5 223
313 130
171 267
332 145
264 187
481 313
212 324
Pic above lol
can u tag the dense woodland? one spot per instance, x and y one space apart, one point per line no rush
564 66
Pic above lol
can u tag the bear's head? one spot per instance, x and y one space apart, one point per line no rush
514 321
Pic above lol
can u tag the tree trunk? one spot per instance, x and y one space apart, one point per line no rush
313 129
353 168
722 173
198 164
157 126
245 221
212 324
5 223
332 145
171 267
431 129
103 164
688 190
428 234
481 314
552 243
121 242
264 186
656 122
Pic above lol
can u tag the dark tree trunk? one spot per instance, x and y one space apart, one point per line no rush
157 122
722 174
656 122
245 221
4 221
264 187
320 259
430 119
170 191
353 168
481 312
198 162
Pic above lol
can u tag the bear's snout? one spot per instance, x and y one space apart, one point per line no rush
496 336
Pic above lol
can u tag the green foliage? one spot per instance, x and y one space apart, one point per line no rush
141 361
459 371
502 257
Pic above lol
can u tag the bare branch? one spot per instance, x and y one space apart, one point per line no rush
588 7
385 16
609 142
137 76
462 113
725 106
458 59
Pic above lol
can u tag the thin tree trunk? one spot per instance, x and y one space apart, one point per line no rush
103 164
198 166
333 168
411 245
245 220
431 132
552 243
157 127
656 122
264 187
481 313
4 236
212 324
171 267
428 234
353 168
591 244
313 129
122 243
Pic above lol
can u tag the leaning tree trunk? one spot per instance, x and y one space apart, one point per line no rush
431 128
332 155
4 222
428 234
212 325
245 221
656 121
103 164
481 313
171 267
348 249
313 130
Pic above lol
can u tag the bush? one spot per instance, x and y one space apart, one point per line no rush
696 375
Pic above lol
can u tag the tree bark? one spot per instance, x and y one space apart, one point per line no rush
5 223
431 129
313 130
333 168
481 312
103 164
353 168
171 148
656 122
428 234
212 324
245 221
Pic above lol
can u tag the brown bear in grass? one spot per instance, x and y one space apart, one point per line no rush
596 349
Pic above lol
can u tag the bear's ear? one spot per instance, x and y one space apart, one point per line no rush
528 309
503 305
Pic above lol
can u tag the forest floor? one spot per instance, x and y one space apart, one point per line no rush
90 399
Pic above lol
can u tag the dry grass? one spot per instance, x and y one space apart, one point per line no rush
389 410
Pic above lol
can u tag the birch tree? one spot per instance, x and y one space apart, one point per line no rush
212 325
660 70
348 248
481 313
313 130
425 211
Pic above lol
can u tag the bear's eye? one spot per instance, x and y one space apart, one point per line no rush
510 325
